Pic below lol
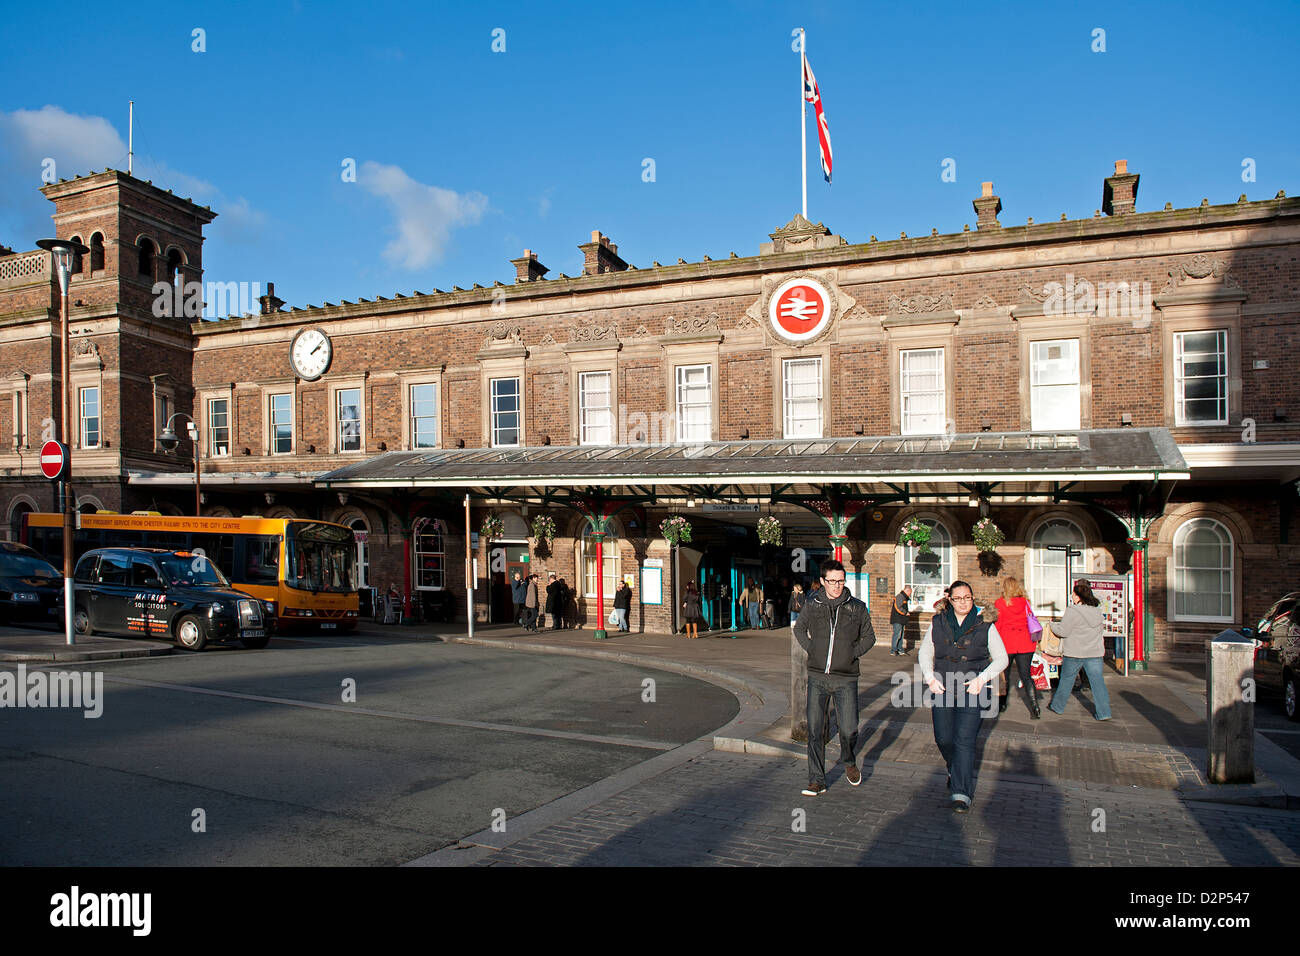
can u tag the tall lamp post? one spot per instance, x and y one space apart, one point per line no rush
169 440
62 251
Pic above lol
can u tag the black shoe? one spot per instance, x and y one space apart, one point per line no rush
1034 710
1002 705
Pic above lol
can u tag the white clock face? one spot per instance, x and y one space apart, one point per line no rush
311 353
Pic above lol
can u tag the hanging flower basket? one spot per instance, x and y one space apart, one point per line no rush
987 535
544 529
493 526
769 530
675 529
916 534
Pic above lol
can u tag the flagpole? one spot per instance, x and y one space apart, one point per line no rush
803 117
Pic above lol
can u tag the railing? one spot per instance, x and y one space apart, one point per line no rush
25 267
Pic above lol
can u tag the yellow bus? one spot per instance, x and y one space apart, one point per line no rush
302 570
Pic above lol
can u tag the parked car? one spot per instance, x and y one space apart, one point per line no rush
1277 653
171 594
31 589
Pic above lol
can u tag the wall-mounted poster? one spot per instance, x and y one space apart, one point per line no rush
1112 591
652 585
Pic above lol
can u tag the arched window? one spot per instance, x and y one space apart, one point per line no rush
76 258
430 555
1049 587
609 554
16 519
1203 572
147 253
929 573
97 252
174 262
362 534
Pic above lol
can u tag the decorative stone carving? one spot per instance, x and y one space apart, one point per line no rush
548 339
746 324
84 347
641 332
594 333
1029 297
920 303
841 304
692 326
1200 267
503 331
986 302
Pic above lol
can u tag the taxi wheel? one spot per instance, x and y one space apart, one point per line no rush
189 632
1291 697
81 622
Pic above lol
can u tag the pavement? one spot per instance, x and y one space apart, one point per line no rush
1129 790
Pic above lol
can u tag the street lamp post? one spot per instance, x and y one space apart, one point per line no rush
62 251
169 440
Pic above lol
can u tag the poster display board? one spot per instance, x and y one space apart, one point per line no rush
652 585
1112 590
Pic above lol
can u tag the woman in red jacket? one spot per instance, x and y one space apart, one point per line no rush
1013 626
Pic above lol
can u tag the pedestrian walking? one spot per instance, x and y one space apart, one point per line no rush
960 654
898 615
622 605
1013 627
835 630
563 601
552 600
518 593
796 603
691 609
1082 647
530 604
753 598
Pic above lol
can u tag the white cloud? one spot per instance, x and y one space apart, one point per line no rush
425 215
79 146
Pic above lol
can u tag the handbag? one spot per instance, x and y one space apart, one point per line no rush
1049 643
1035 626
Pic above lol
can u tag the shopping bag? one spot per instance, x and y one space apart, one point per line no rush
1038 673
613 617
1049 643
1034 626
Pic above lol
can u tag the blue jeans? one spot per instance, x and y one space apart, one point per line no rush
956 725
1095 669
821 688
753 614
794 618
620 618
897 645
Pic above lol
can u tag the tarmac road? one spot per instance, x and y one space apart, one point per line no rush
263 749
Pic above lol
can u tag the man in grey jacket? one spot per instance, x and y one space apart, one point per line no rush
835 630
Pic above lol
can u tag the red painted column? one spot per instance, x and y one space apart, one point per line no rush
1139 546
406 576
600 634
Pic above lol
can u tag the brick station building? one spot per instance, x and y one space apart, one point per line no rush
1119 385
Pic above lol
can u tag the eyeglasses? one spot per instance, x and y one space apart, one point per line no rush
963 597
830 581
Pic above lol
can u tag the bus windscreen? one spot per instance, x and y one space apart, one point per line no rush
321 557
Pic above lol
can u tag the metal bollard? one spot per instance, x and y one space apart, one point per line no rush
1230 719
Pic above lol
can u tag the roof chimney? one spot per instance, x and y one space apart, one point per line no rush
270 303
600 255
528 269
1120 193
987 208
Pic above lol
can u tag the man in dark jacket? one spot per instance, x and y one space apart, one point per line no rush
835 630
553 598
518 595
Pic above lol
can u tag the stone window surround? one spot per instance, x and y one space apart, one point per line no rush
948 524
1204 316
338 385
202 400
779 358
1171 570
20 405
507 367
88 378
920 343
1087 558
405 381
1050 328
602 360
676 356
162 387
284 386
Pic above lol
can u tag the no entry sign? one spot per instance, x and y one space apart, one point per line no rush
55 460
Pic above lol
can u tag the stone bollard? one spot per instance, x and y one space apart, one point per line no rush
798 691
1230 711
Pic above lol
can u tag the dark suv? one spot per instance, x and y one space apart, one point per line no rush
170 594
31 589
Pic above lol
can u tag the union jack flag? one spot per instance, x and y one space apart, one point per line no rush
813 95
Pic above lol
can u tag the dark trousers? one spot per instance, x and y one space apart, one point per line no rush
821 688
519 613
1021 663
555 621
956 726
530 617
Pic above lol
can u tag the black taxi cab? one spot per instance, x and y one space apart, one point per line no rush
177 595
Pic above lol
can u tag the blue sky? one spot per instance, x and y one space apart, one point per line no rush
466 156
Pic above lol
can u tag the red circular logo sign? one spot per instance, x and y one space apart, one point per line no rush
52 459
799 309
